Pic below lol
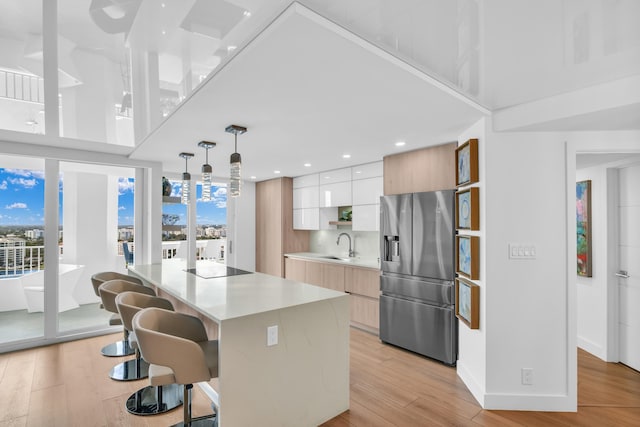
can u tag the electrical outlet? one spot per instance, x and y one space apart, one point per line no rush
527 376
272 335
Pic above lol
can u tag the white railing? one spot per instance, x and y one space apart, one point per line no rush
21 87
17 260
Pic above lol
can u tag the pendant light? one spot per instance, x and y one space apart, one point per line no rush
186 179
236 161
207 171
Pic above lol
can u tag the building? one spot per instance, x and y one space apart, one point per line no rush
538 83
12 251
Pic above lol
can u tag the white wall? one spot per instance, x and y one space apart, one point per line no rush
524 303
527 300
472 346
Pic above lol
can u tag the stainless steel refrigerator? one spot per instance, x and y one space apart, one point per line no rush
417 234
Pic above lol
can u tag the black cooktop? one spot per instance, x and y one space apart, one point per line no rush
216 270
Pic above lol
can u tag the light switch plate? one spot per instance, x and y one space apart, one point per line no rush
522 251
272 335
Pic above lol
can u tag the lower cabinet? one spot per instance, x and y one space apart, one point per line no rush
362 283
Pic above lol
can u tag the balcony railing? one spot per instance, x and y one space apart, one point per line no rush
19 260
21 87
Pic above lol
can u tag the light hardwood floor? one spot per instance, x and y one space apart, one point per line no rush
68 385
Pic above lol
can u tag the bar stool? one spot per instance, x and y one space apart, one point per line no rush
162 395
137 368
179 343
120 348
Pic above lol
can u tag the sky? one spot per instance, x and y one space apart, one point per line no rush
22 200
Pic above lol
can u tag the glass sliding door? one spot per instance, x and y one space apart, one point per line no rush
21 249
97 219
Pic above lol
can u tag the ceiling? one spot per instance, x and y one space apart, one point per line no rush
353 77
309 92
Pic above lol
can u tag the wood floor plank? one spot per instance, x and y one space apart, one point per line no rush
68 385
15 387
48 406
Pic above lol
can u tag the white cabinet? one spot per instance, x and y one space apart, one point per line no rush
336 175
367 191
306 219
368 170
306 212
333 195
367 187
305 197
366 218
306 181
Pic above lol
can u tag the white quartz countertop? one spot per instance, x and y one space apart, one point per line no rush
224 298
344 260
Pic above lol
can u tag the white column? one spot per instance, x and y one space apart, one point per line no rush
51 173
50 66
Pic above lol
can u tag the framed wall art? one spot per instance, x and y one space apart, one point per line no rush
468 303
468 209
467 163
583 226
468 256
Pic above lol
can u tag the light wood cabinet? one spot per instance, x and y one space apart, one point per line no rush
365 312
428 169
362 283
275 235
295 269
333 277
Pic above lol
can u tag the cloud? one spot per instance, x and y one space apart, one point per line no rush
122 208
125 185
3 185
16 205
23 182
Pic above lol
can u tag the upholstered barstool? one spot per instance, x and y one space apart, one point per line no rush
162 395
136 368
119 348
177 345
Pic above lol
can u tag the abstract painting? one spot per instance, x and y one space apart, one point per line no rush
467 209
583 226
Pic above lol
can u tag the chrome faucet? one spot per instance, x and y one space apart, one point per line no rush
351 253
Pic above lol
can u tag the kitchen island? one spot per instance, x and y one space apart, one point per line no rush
303 380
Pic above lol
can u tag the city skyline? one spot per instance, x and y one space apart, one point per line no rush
22 200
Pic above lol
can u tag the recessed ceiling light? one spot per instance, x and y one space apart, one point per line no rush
400 144
246 13
164 32
276 172
253 177
163 5
231 48
307 165
346 156
358 172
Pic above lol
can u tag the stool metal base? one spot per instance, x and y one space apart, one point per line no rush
153 400
206 421
134 369
118 349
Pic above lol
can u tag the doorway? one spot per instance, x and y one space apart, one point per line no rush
608 325
628 272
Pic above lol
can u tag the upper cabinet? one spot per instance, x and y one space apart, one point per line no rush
316 197
335 188
367 185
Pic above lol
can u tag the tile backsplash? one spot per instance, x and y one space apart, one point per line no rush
366 244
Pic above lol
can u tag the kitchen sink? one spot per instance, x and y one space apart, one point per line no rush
334 258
